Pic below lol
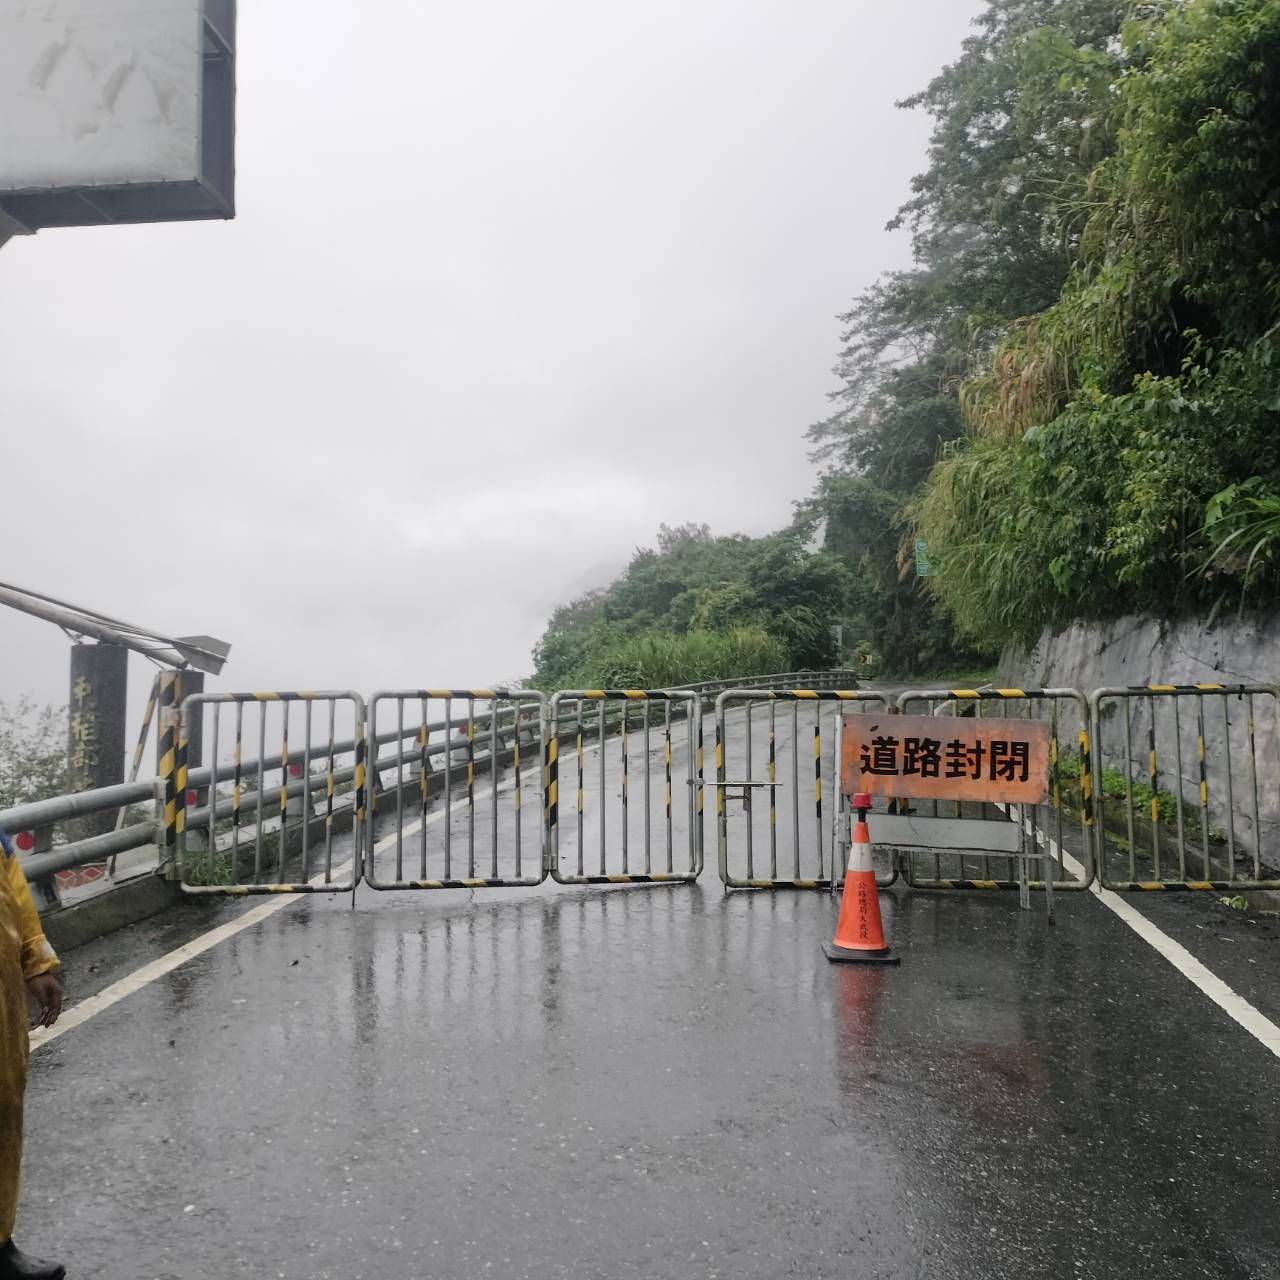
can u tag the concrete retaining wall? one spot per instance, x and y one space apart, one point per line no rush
1140 651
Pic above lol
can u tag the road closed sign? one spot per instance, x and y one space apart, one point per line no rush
945 758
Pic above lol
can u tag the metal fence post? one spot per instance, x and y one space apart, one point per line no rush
167 770
1186 849
813 852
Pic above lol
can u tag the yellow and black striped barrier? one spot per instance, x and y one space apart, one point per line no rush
809 695
600 717
449 845
270 855
167 753
802 851
1176 886
1160 787
1191 817
1046 835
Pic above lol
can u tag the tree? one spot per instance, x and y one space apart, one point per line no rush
1103 427
669 539
33 752
566 644
700 603
943 365
888 612
1020 119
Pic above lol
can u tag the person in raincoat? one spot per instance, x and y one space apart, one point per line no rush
27 965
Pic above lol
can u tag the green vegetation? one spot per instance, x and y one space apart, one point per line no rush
1115 787
1137 796
995 229
33 752
1122 451
698 608
654 660
1243 529
1072 396
215 866
207 868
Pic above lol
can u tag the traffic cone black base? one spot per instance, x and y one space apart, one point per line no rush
844 955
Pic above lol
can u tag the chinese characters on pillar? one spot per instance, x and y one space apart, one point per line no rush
946 758
84 728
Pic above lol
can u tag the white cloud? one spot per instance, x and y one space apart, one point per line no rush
510 285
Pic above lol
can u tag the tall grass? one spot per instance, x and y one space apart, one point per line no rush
1242 526
660 660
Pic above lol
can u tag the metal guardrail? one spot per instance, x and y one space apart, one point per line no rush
825 680
1131 849
44 815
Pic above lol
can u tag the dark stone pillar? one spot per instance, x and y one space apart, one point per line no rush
96 727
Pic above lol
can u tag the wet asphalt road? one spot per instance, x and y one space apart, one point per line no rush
661 1082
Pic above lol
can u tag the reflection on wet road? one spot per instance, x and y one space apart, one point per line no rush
653 1082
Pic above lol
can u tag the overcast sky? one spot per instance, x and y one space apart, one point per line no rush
509 285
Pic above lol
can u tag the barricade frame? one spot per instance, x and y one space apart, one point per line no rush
175 790
747 695
1152 693
178 816
1042 844
516 697
691 700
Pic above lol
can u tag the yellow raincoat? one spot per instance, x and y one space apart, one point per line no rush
24 953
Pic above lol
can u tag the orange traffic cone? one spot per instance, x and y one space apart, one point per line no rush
859 934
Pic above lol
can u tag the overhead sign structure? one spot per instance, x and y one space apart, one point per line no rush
116 111
944 758
205 653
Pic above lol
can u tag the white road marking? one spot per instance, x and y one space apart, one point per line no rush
1235 1006
1198 974
111 995
139 978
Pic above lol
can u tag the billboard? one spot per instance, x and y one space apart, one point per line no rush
116 110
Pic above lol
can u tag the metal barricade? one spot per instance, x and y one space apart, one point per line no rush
1185 778
1059 833
634 720
445 833
276 828
786 754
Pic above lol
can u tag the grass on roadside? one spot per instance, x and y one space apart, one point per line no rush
1139 795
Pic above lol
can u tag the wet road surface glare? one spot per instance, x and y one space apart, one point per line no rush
656 1081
